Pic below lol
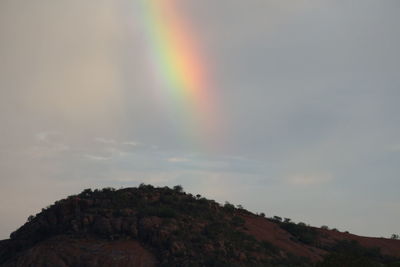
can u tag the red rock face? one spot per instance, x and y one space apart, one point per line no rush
264 230
64 251
388 247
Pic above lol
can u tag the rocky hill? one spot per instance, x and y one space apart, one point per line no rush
148 226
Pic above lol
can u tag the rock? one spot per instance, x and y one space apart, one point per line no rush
116 224
102 226
150 222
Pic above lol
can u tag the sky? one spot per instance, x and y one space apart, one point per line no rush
296 113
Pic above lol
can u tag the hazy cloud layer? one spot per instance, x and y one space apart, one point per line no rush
307 93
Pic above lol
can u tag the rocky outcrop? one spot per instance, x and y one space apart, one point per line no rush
149 226
64 251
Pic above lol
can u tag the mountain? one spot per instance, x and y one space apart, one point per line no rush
149 226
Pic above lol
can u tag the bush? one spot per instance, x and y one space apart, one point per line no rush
395 236
301 231
351 253
269 247
238 221
178 188
229 207
287 220
161 211
86 193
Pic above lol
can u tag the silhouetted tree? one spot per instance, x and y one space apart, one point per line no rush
178 188
287 220
395 236
228 206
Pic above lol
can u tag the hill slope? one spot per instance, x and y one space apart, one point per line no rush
149 226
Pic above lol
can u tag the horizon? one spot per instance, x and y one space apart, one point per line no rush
289 109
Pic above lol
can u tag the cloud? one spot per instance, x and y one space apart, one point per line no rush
177 159
105 140
43 136
131 143
97 158
49 145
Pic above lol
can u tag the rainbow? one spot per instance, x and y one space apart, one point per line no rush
180 69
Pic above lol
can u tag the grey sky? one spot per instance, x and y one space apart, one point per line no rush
307 93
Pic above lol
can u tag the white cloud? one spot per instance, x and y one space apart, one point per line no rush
97 158
49 145
176 159
104 140
131 143
43 136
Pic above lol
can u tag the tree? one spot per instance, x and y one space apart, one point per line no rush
229 207
287 220
395 236
178 188
87 192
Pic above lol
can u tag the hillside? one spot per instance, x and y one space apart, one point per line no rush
148 226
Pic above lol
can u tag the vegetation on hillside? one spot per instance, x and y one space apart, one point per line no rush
179 228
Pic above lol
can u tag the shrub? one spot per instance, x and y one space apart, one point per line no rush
301 231
87 192
287 220
108 189
351 253
229 207
161 211
269 247
395 236
178 188
238 221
